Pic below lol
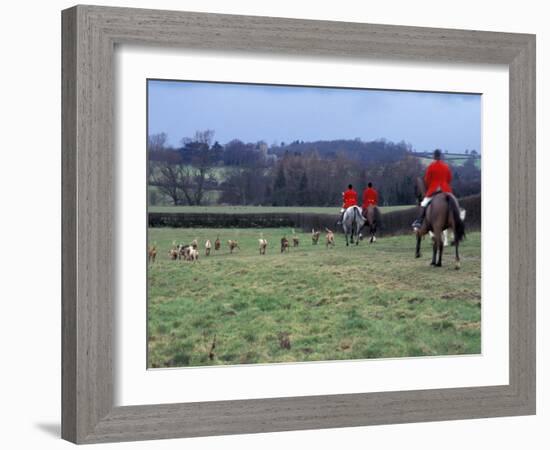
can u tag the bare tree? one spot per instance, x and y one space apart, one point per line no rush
174 181
202 157
156 142
204 137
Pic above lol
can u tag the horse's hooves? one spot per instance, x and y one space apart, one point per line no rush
438 265
417 255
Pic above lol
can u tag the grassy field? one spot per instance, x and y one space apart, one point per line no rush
455 162
313 303
331 210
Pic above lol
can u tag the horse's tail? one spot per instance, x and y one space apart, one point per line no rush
459 230
358 216
377 216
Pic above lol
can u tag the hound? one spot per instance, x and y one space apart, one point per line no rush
295 239
152 253
173 254
262 245
195 244
329 238
183 251
207 247
284 244
217 244
193 254
233 245
315 236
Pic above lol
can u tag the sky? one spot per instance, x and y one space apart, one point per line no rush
278 114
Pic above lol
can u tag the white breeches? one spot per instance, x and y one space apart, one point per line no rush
425 201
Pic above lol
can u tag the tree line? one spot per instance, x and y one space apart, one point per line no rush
203 171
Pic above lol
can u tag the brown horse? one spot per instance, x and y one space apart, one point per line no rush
442 213
372 216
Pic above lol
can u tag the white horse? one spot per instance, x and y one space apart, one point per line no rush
352 223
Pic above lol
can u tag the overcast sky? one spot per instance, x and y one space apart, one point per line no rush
283 114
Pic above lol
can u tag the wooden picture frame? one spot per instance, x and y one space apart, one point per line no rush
90 34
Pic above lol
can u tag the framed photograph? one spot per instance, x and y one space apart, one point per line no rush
278 224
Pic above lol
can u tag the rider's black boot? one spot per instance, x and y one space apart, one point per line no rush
418 222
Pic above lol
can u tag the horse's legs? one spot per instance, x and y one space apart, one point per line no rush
346 234
457 257
418 241
440 248
435 246
445 238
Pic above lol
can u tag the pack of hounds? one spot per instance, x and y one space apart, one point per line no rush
190 252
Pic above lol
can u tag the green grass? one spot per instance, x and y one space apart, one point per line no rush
331 210
370 301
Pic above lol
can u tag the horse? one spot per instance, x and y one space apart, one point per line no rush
442 213
372 220
352 223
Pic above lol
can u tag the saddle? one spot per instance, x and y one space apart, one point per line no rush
364 210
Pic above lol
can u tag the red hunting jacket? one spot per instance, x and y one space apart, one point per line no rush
438 177
350 198
370 197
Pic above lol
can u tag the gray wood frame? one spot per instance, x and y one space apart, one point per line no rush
89 36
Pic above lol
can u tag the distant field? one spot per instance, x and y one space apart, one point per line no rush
259 209
456 162
370 301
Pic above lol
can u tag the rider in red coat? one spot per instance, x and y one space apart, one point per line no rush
349 198
370 197
437 179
